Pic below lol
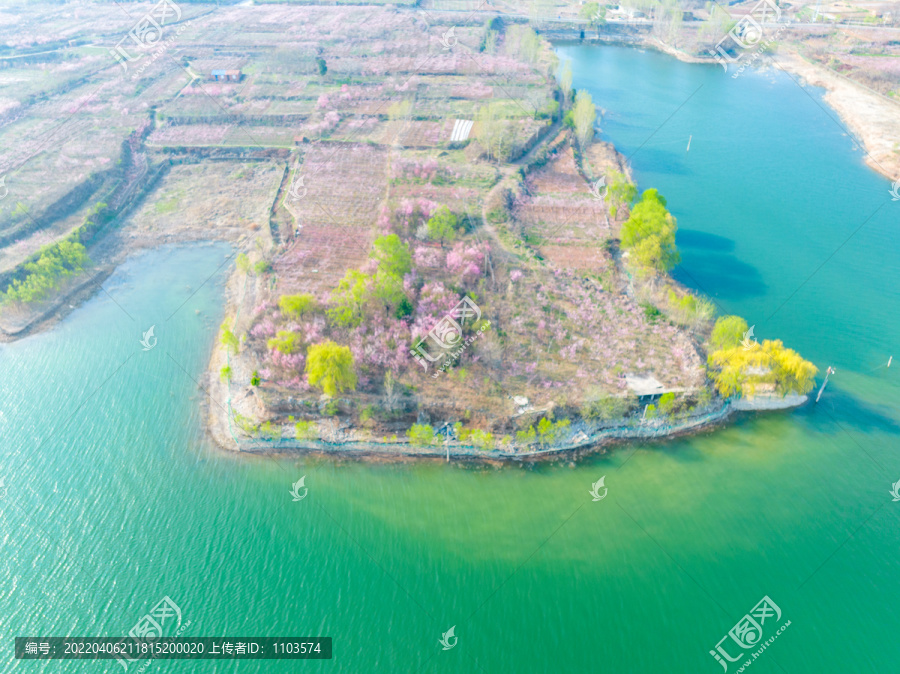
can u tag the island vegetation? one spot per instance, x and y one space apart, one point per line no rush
427 258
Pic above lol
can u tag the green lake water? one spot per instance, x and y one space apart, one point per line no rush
114 499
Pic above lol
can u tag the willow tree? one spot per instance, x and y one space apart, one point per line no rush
330 367
728 332
739 370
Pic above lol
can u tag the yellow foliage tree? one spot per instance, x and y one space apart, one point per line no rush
739 370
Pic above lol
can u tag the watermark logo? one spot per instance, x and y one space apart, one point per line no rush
596 487
448 39
895 190
895 490
748 633
598 188
447 333
747 33
448 639
298 189
748 341
148 341
4 190
296 487
163 618
147 31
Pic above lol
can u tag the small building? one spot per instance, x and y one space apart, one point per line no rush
647 388
226 75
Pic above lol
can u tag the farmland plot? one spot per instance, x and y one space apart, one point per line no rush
344 185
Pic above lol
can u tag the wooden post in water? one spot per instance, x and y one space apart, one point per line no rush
824 383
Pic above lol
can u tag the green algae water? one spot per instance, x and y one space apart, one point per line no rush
113 498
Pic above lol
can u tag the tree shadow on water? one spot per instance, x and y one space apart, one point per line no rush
693 238
719 275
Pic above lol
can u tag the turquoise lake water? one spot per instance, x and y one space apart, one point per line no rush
114 499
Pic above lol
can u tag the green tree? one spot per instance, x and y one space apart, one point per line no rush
330 366
565 80
593 13
649 234
442 225
584 114
493 132
321 65
348 298
243 263
545 430
393 255
728 332
619 191
394 262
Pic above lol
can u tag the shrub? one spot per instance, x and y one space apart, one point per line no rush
526 437
254 378
225 373
270 431
689 309
306 430
666 403
297 306
482 440
422 435
285 342
229 340
606 408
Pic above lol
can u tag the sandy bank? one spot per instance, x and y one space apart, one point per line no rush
871 117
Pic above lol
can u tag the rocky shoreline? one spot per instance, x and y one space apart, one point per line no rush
582 443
